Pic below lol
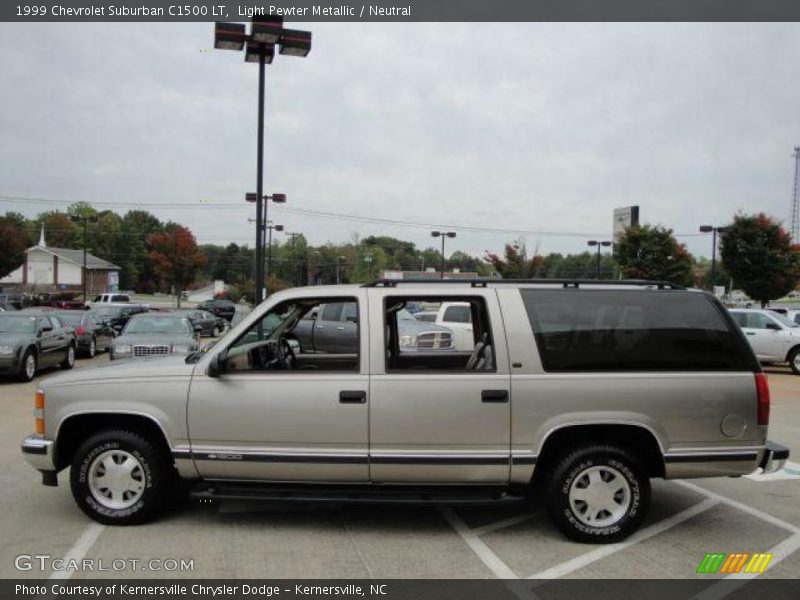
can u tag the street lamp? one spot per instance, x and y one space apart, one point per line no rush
443 235
271 228
713 231
278 199
338 258
259 48
599 245
85 220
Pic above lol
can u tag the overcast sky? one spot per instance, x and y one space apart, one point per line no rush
525 127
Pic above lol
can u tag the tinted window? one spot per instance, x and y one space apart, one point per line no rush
614 330
350 312
457 314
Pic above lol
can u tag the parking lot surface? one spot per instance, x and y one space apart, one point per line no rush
254 540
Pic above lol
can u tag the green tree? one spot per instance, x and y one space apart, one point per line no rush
175 257
652 252
759 255
13 242
516 264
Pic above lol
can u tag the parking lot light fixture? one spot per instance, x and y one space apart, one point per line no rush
267 30
713 231
599 245
294 42
259 48
229 36
443 235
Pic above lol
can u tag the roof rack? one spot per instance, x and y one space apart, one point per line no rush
566 283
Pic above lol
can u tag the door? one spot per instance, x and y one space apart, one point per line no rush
257 422
51 347
336 328
768 344
437 421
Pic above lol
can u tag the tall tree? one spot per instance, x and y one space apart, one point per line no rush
759 255
652 252
175 257
13 242
516 264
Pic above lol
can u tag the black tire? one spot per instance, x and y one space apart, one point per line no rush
571 474
91 351
69 359
156 473
24 374
794 360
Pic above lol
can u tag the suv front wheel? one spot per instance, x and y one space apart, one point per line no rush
598 494
121 478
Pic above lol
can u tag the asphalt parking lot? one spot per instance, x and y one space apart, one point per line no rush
252 540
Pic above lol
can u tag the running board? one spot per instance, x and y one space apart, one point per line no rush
372 494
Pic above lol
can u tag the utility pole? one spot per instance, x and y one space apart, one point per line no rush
85 220
796 197
295 268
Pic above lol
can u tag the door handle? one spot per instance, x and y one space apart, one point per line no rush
496 396
340 328
749 333
356 397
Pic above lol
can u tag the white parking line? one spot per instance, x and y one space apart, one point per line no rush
505 523
743 507
79 549
481 550
602 552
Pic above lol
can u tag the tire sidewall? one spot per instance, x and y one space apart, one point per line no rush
92 351
792 361
23 374
154 478
69 360
577 463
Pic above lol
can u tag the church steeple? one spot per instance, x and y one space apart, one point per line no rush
42 243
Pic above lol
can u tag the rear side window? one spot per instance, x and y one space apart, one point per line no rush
457 314
615 330
332 312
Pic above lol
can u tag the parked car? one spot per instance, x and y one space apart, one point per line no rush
457 317
92 335
333 328
110 299
30 342
577 392
210 324
18 300
794 316
773 337
219 307
429 316
66 300
117 315
156 334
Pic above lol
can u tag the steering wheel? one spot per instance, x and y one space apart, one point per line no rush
285 355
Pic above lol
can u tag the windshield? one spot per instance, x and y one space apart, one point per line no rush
17 324
404 315
157 325
784 321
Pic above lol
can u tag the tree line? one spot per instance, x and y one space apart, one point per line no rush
756 254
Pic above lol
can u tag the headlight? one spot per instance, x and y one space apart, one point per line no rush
180 348
6 350
408 341
122 349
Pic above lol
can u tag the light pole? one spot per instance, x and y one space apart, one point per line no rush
85 220
265 32
599 245
253 197
368 262
295 268
270 228
443 235
713 231
338 279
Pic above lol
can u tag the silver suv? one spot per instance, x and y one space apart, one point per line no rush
577 391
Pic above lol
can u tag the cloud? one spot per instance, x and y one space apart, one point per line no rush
516 126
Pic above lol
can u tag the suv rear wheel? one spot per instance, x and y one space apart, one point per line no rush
120 477
598 494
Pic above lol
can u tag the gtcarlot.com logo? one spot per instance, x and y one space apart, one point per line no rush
737 562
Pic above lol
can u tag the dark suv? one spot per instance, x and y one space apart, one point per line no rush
219 307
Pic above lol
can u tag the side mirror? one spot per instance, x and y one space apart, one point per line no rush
217 365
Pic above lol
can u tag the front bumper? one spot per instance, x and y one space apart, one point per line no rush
40 453
9 365
774 457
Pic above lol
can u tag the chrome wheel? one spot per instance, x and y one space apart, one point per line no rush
92 348
599 496
796 361
116 479
30 366
70 356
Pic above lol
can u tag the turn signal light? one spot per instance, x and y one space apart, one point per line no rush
38 412
762 394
